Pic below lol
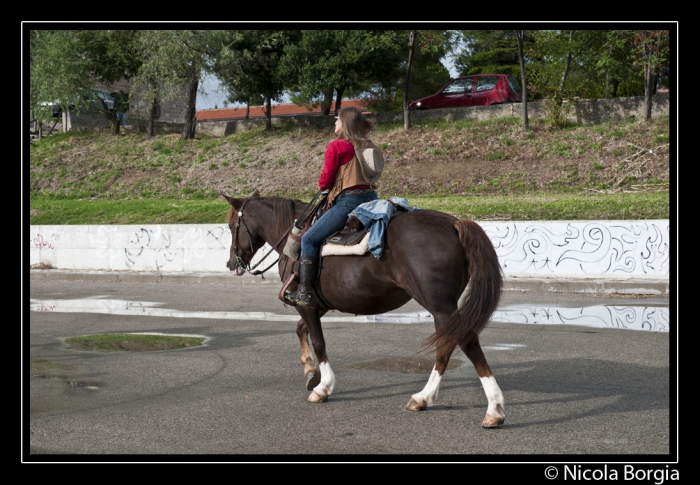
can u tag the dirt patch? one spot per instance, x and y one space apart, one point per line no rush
439 159
41 266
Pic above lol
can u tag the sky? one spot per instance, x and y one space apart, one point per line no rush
214 95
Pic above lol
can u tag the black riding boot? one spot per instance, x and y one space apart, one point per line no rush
307 274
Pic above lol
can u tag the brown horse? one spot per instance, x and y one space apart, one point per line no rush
428 256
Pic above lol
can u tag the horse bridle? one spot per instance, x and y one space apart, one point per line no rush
239 260
234 235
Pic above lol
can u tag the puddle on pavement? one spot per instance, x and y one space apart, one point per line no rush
72 385
80 387
653 319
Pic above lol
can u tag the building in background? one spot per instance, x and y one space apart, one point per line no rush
239 113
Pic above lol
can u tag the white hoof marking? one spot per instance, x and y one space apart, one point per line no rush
325 387
430 391
494 396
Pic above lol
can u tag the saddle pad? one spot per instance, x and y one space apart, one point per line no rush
358 249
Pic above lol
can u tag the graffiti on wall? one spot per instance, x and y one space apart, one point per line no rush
44 244
107 249
156 247
149 245
623 248
591 248
654 319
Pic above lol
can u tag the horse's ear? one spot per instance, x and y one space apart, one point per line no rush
235 203
256 193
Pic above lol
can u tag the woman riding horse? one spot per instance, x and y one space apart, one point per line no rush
347 188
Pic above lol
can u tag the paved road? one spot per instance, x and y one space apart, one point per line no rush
570 389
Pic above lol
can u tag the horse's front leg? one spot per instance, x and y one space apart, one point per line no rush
495 414
311 371
324 388
427 397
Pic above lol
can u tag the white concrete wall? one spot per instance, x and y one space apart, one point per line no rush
529 249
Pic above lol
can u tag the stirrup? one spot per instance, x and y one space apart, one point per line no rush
300 297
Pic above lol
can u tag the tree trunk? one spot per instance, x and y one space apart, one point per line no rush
649 85
268 113
114 123
247 110
565 74
327 101
406 112
151 117
519 35
152 111
191 100
338 98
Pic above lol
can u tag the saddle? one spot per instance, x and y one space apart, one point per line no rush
353 239
351 234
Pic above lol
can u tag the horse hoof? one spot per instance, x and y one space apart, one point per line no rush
493 420
316 397
313 379
414 405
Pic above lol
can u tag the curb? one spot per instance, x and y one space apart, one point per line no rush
588 286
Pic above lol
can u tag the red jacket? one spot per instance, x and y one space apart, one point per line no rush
339 152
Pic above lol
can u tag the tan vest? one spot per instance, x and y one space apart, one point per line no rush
348 175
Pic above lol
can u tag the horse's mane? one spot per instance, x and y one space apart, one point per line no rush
284 213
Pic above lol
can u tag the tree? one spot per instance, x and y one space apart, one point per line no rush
174 62
520 36
427 75
322 63
555 50
406 112
65 64
426 41
613 62
327 64
651 53
248 65
488 52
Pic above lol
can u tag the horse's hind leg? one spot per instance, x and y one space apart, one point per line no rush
428 395
311 371
495 414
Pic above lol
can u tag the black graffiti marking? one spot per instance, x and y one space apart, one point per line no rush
548 235
130 262
221 233
138 238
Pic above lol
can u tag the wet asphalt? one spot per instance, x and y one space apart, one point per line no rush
570 390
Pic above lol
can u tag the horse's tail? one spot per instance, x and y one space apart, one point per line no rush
483 292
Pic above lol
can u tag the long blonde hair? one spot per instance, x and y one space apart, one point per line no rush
355 127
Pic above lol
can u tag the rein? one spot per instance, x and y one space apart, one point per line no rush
240 221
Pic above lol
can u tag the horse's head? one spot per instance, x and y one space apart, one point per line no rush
245 233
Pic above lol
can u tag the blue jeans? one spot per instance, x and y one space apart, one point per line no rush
121 117
332 220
